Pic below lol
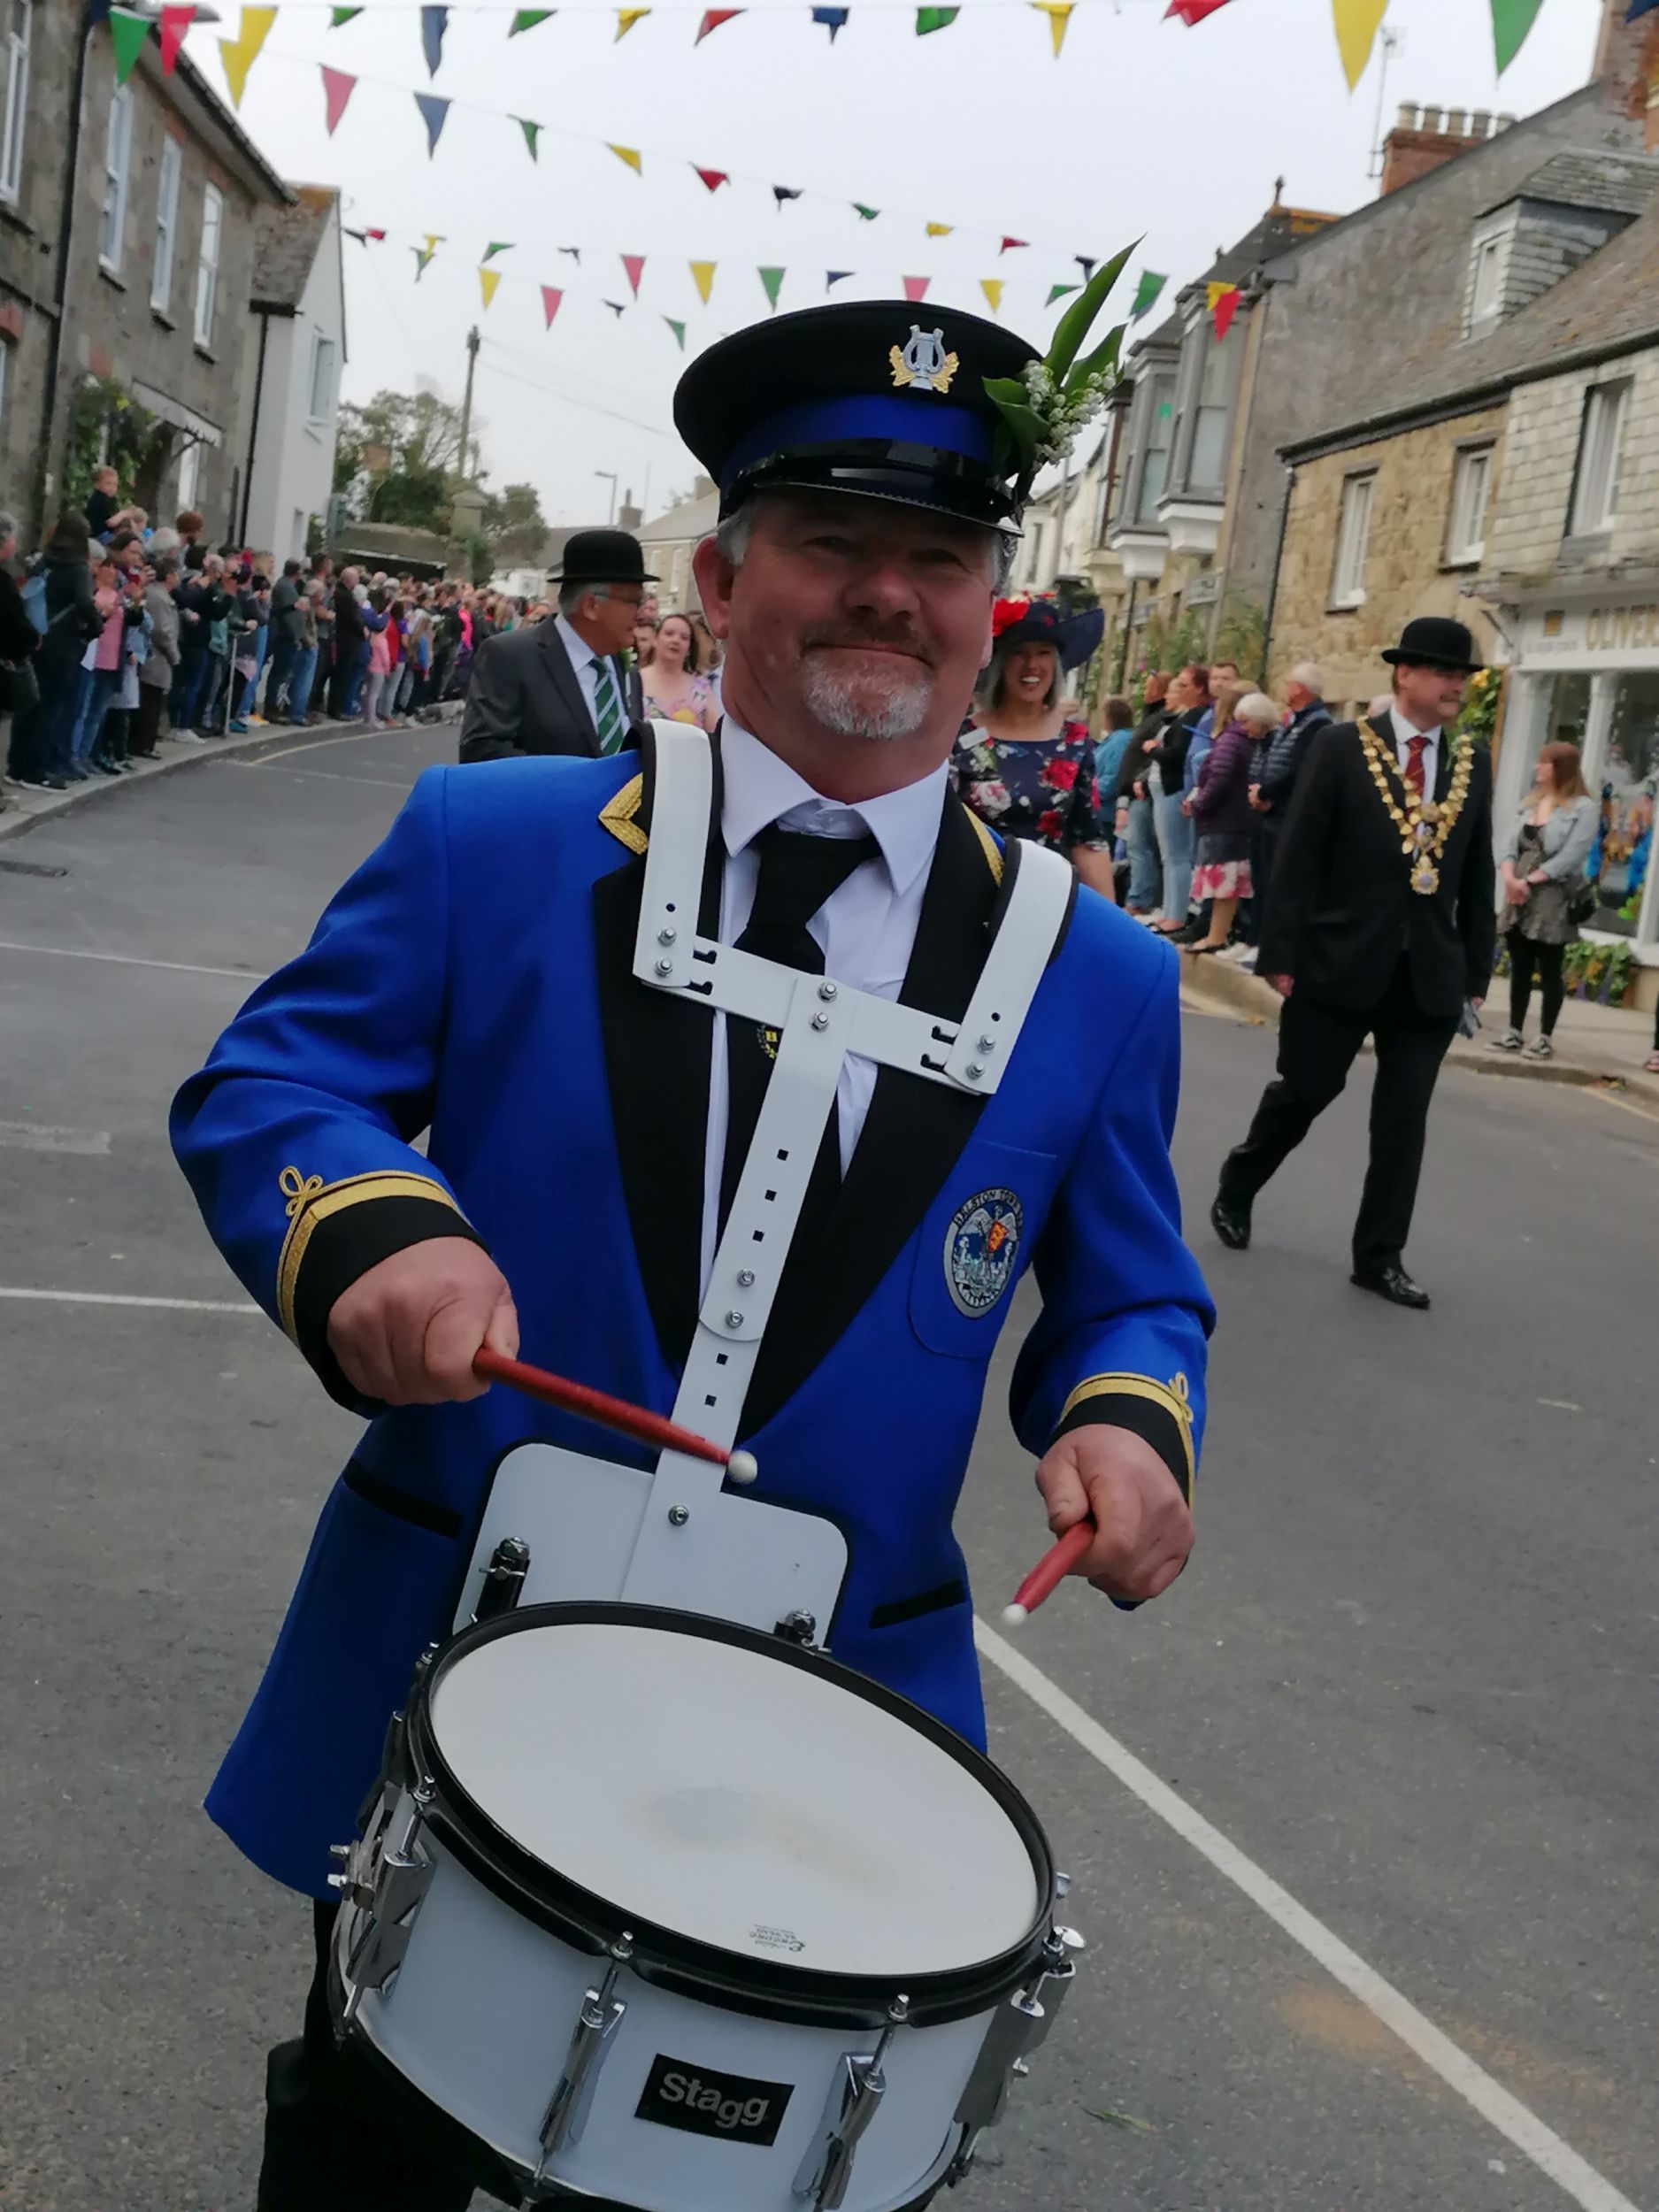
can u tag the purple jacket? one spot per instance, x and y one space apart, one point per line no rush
1221 799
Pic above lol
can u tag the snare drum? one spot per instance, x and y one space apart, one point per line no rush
670 1913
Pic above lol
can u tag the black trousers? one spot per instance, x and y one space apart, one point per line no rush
329 2146
1317 1045
1524 956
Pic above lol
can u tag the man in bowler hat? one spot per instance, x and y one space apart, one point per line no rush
562 686
1382 926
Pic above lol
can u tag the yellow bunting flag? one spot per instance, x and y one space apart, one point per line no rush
240 54
1357 23
1059 15
488 280
992 287
940 230
630 154
626 18
703 277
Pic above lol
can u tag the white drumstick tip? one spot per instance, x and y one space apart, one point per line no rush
1015 1617
741 1467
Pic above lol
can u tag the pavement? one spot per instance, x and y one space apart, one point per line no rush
1361 1817
1597 1046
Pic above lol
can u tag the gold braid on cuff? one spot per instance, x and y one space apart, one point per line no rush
1171 1396
310 1201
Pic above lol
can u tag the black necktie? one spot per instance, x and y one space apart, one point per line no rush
798 874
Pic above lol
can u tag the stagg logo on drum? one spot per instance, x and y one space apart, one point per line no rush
680 2095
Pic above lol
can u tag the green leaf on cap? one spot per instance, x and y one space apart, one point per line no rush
1074 324
1103 358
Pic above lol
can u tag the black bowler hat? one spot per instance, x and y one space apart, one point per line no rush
1435 641
876 397
600 556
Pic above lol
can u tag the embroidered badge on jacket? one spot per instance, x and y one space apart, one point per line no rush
982 1245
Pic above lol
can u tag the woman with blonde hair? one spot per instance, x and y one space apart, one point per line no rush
674 687
1541 871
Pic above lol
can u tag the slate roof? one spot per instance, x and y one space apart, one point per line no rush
1614 184
286 240
1609 304
692 518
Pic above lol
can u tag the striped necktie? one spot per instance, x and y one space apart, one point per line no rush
607 706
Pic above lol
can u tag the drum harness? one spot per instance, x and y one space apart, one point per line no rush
817 1022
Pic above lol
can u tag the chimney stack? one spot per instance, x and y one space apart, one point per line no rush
1424 137
1627 65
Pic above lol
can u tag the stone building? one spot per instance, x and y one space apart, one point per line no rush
127 252
299 308
671 540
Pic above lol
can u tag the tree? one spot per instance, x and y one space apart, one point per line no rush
398 459
515 525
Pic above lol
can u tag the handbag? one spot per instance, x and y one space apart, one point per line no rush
1582 902
20 689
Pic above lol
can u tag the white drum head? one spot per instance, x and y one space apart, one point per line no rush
734 1798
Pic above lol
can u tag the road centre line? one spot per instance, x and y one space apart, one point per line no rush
132 960
346 737
121 1298
1519 2126
322 775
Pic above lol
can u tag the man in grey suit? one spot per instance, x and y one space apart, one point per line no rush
560 685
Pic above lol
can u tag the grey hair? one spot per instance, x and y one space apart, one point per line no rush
8 525
1255 706
1307 674
571 595
735 532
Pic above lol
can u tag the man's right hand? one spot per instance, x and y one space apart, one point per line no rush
407 1332
1283 983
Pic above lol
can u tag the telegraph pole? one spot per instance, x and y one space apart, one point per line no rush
467 398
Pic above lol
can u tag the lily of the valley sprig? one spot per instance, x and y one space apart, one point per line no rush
1045 409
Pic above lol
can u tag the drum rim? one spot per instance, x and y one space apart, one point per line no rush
767 1988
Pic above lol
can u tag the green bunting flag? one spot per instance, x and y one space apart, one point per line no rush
1147 294
1511 20
1059 291
865 214
337 15
934 19
772 279
526 19
530 131
678 330
128 31
496 246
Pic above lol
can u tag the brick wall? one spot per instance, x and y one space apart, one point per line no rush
1526 536
1405 573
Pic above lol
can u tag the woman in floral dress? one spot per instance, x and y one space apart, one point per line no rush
1022 767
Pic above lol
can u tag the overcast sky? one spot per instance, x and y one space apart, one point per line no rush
1142 127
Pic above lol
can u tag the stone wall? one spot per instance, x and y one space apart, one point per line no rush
1524 538
1405 573
29 228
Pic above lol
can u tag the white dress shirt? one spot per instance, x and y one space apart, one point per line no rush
1403 732
587 665
866 928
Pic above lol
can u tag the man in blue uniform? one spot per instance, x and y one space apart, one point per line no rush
475 979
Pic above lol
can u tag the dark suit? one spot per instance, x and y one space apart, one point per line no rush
525 697
1370 956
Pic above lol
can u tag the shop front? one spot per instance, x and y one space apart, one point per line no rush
1585 666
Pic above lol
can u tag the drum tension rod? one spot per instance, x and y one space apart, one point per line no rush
503 1580
854 2099
602 2012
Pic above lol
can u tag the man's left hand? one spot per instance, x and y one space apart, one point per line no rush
1144 1530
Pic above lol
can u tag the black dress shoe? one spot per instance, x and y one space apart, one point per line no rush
1232 1224
1393 1284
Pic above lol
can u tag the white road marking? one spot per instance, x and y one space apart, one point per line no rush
132 960
119 1298
1495 2105
350 737
43 1136
322 775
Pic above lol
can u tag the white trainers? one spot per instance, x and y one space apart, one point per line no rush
1540 1048
1510 1042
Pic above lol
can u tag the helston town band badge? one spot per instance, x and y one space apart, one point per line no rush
922 365
982 1245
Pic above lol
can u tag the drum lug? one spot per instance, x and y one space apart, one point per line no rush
601 2013
799 1627
402 1883
1017 2028
854 2099
503 1580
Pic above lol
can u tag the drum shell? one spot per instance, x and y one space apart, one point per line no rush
479 2018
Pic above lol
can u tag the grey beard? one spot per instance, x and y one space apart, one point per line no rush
846 708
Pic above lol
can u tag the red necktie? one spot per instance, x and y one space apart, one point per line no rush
1414 764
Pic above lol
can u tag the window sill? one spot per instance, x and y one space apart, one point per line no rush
1455 562
162 317
1345 606
112 275
207 352
10 217
1588 545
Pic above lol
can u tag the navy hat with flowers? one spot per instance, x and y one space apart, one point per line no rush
1040 622
939 409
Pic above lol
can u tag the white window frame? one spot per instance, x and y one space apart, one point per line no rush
324 355
118 161
206 266
1472 496
1353 537
19 38
172 171
1595 475
1487 277
190 475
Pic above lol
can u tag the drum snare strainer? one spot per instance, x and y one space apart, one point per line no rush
673 1914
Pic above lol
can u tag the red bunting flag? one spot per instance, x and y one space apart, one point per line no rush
1009 242
634 266
1223 301
550 299
337 89
176 21
715 178
916 288
377 234
1191 12
712 21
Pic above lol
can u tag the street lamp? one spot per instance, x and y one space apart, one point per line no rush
609 476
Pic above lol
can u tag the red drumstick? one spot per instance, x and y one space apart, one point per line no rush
610 1413
1048 1574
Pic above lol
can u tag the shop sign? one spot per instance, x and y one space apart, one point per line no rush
1607 635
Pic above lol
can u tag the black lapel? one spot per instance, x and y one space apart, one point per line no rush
911 1139
1442 764
657 1065
558 663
